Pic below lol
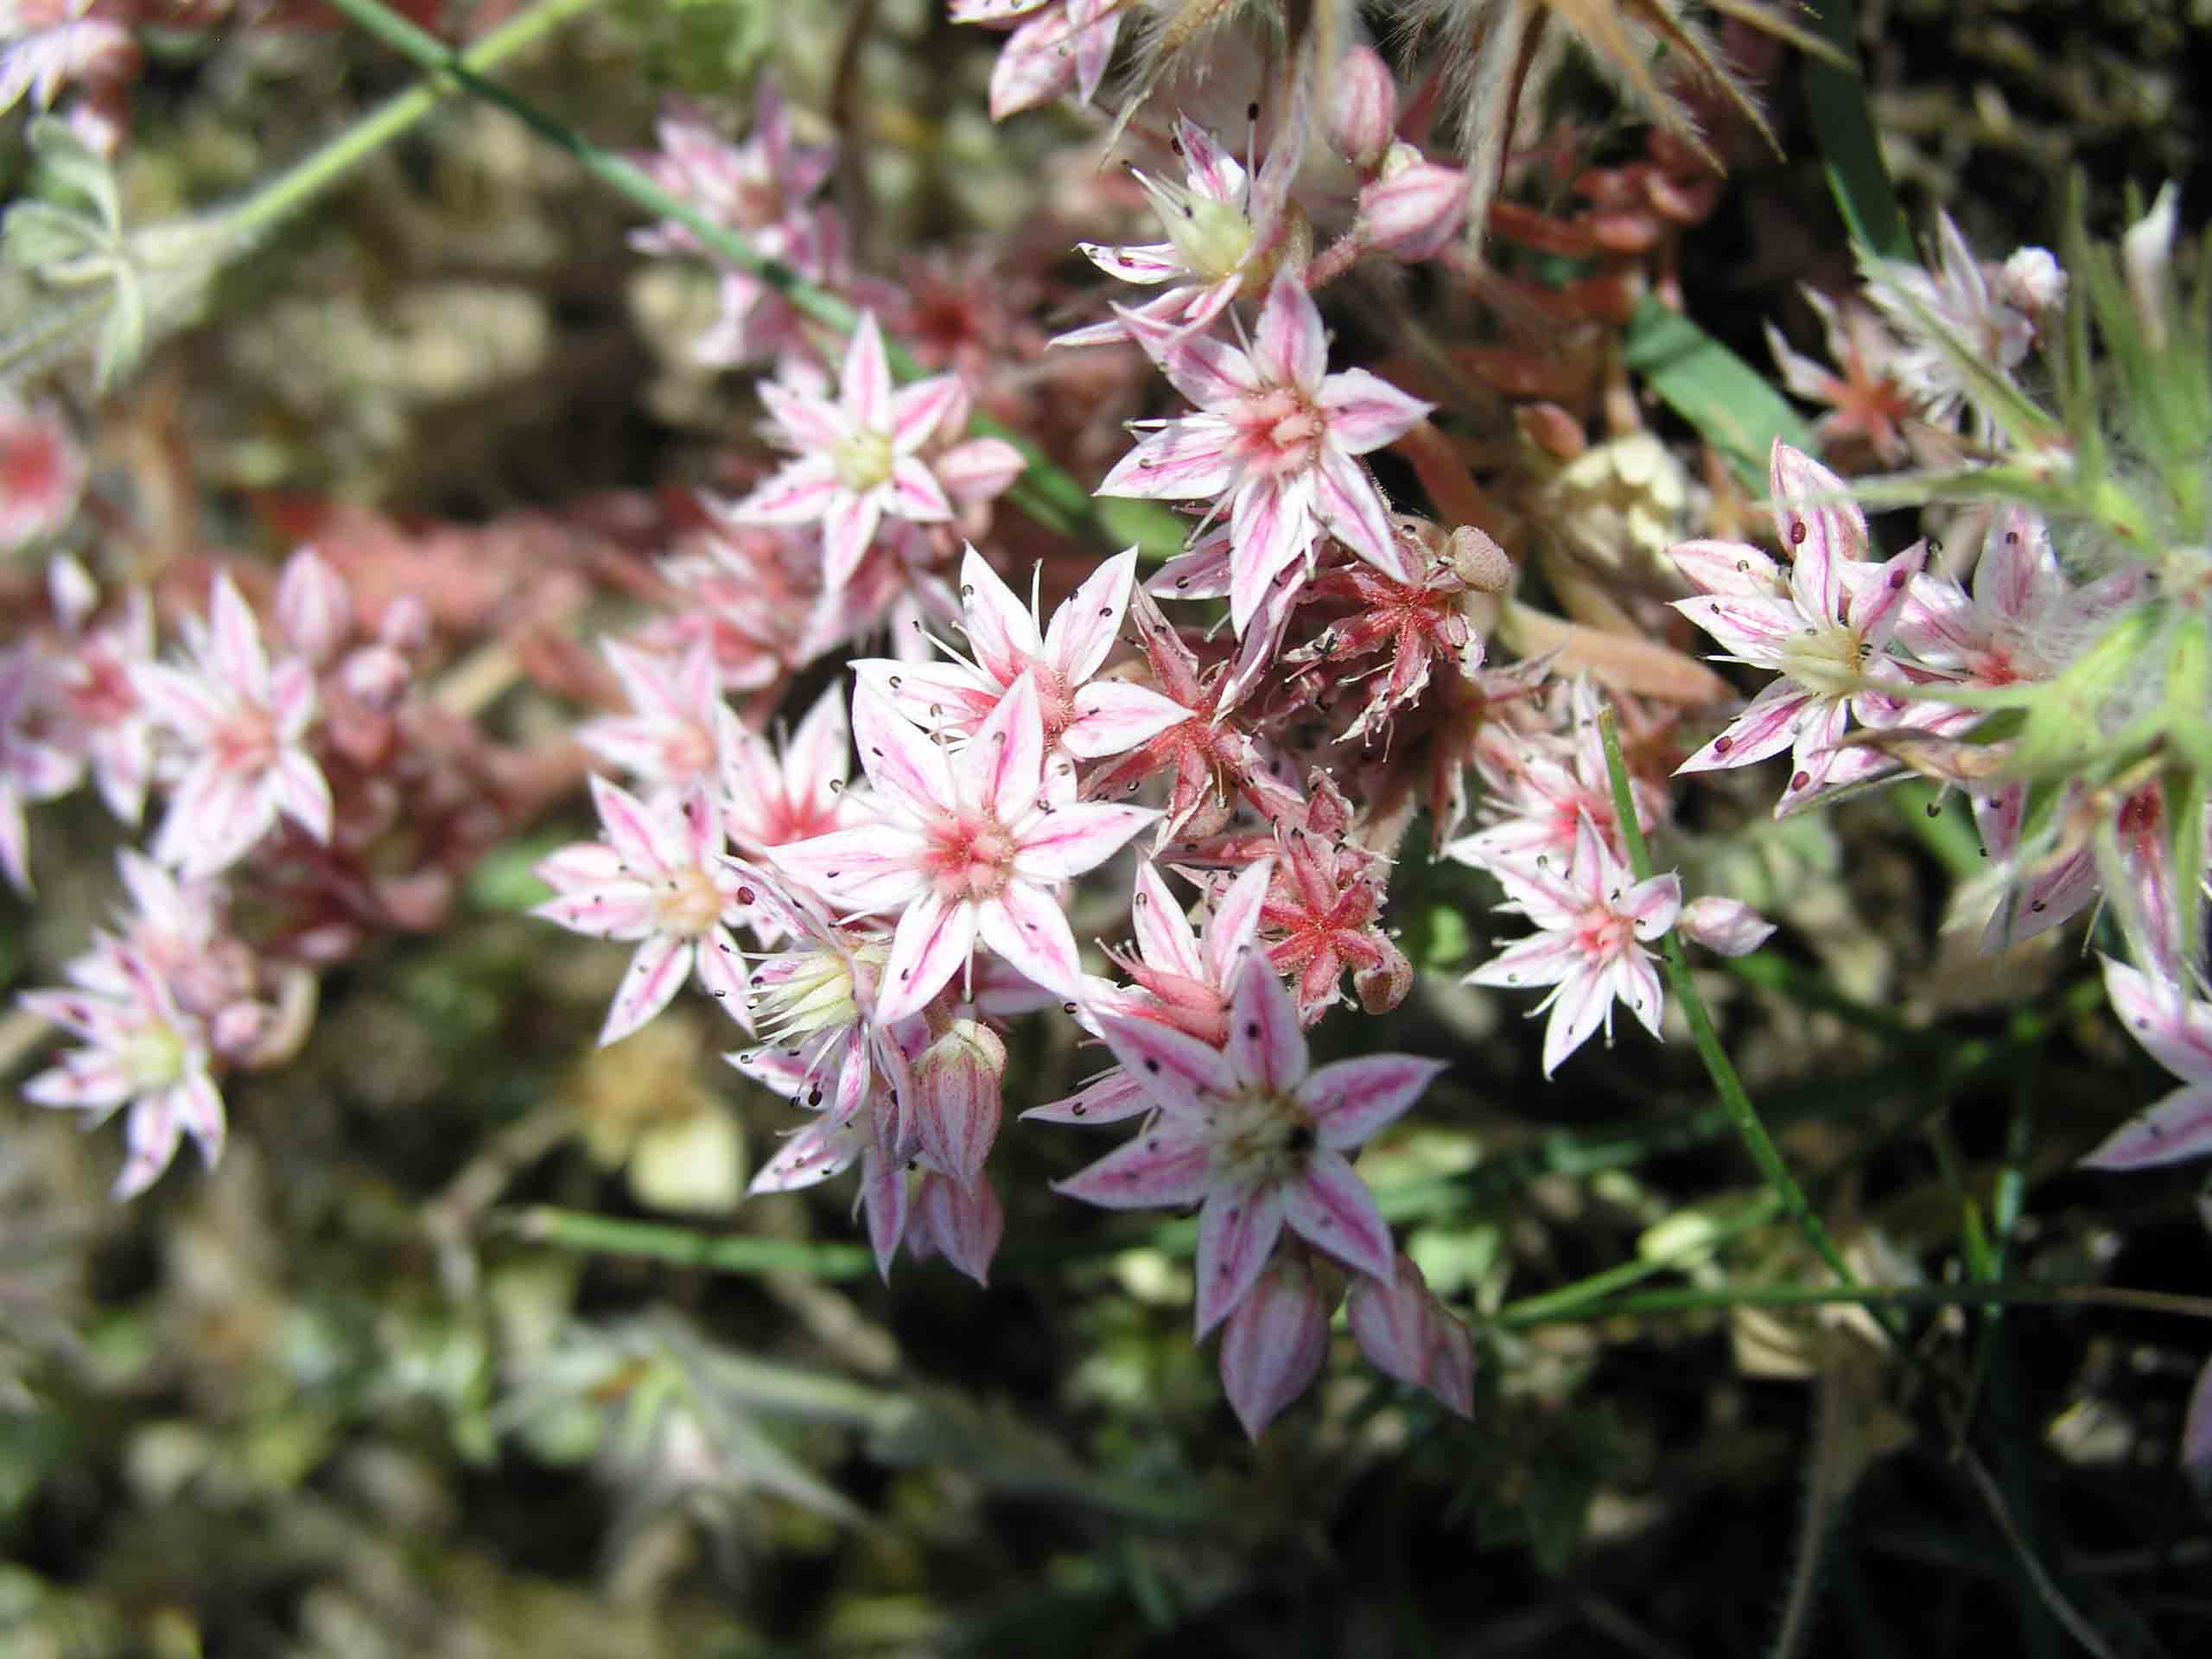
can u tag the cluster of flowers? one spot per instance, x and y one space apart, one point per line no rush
873 941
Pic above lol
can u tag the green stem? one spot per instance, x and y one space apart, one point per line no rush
1045 491
1737 1104
308 178
685 1247
1565 1301
1885 1298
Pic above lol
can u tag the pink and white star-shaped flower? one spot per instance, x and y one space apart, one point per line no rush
857 463
237 727
1275 440
972 848
1592 923
1256 1137
1086 716
658 878
1824 628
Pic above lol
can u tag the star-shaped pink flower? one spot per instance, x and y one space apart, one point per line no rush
1824 628
857 464
1086 716
238 727
1256 1137
1275 441
972 848
1591 922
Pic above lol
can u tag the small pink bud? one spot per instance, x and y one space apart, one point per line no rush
314 610
405 624
1364 114
961 1223
956 1094
1478 561
1415 207
41 470
70 590
1723 925
1274 1343
375 675
2034 281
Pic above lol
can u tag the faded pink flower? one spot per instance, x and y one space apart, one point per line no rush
236 729
1274 441
659 877
1057 46
972 848
1086 716
1823 628
2176 1031
1254 1137
33 768
106 719
678 728
1590 920
140 1051
857 465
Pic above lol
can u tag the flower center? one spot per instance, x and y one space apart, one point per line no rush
1278 431
690 904
801 992
154 1056
1212 237
972 858
1824 661
862 461
1258 1137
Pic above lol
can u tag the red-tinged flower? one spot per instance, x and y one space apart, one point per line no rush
1824 628
678 729
236 730
42 469
972 848
1407 1334
140 1051
1256 1137
1275 441
2175 1031
1867 404
1086 716
1539 786
857 463
1413 620
659 877
1207 759
1591 921
1273 1344
776 794
1181 980
1326 906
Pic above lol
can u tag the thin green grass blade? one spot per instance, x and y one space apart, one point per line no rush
1727 400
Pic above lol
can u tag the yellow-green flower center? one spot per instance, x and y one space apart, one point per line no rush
862 461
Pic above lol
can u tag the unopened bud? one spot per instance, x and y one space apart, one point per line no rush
956 1084
1415 207
1478 561
1364 114
961 1223
314 608
1723 925
2146 255
1274 1343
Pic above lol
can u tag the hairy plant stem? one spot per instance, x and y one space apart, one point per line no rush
1733 1100
1045 491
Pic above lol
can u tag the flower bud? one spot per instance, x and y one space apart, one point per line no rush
314 609
1274 1343
957 1092
1723 925
1364 111
2146 252
1405 1333
1415 207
